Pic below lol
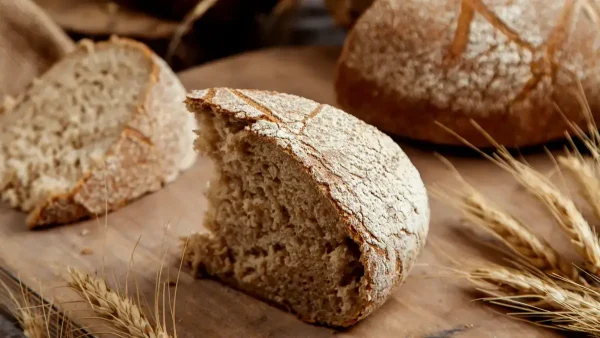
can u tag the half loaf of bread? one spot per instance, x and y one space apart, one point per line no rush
310 208
103 126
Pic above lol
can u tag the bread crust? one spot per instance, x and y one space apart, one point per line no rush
372 184
151 151
503 64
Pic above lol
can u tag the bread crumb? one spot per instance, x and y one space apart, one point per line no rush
84 232
7 103
86 251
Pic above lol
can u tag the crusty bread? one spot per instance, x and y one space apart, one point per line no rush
311 208
502 63
346 12
103 126
30 42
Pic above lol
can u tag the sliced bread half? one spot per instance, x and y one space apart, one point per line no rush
310 208
101 127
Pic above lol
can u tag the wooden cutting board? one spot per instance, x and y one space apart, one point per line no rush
430 304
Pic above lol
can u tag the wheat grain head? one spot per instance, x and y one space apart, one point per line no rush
31 321
121 311
477 209
562 208
538 296
586 175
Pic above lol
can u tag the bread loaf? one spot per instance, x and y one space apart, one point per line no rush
310 209
502 63
103 126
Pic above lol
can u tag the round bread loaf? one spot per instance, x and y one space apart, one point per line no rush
501 63
311 208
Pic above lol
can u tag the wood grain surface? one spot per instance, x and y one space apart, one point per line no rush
430 304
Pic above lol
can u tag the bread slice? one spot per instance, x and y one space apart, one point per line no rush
103 126
310 208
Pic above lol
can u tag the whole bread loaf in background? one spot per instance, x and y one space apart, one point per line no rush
310 208
30 42
103 126
502 63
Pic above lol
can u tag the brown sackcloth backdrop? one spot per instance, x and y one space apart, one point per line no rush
30 42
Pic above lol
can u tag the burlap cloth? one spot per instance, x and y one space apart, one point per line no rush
30 42
106 17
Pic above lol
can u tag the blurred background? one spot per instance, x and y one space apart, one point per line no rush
191 32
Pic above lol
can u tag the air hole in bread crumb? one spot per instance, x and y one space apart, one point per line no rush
354 272
257 251
329 248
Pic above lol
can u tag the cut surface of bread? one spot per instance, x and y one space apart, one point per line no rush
103 126
516 67
310 208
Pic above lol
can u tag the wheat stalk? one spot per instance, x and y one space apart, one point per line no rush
32 322
512 232
196 13
562 208
585 173
121 311
505 227
529 293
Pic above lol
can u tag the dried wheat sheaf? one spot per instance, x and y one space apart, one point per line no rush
120 311
543 287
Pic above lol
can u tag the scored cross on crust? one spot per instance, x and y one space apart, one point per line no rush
503 63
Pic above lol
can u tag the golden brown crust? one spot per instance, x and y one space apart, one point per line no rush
150 152
129 170
378 194
501 63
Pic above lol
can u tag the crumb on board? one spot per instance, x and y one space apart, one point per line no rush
84 232
87 251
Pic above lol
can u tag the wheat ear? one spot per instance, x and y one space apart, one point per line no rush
505 227
562 208
118 310
32 322
584 172
528 293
